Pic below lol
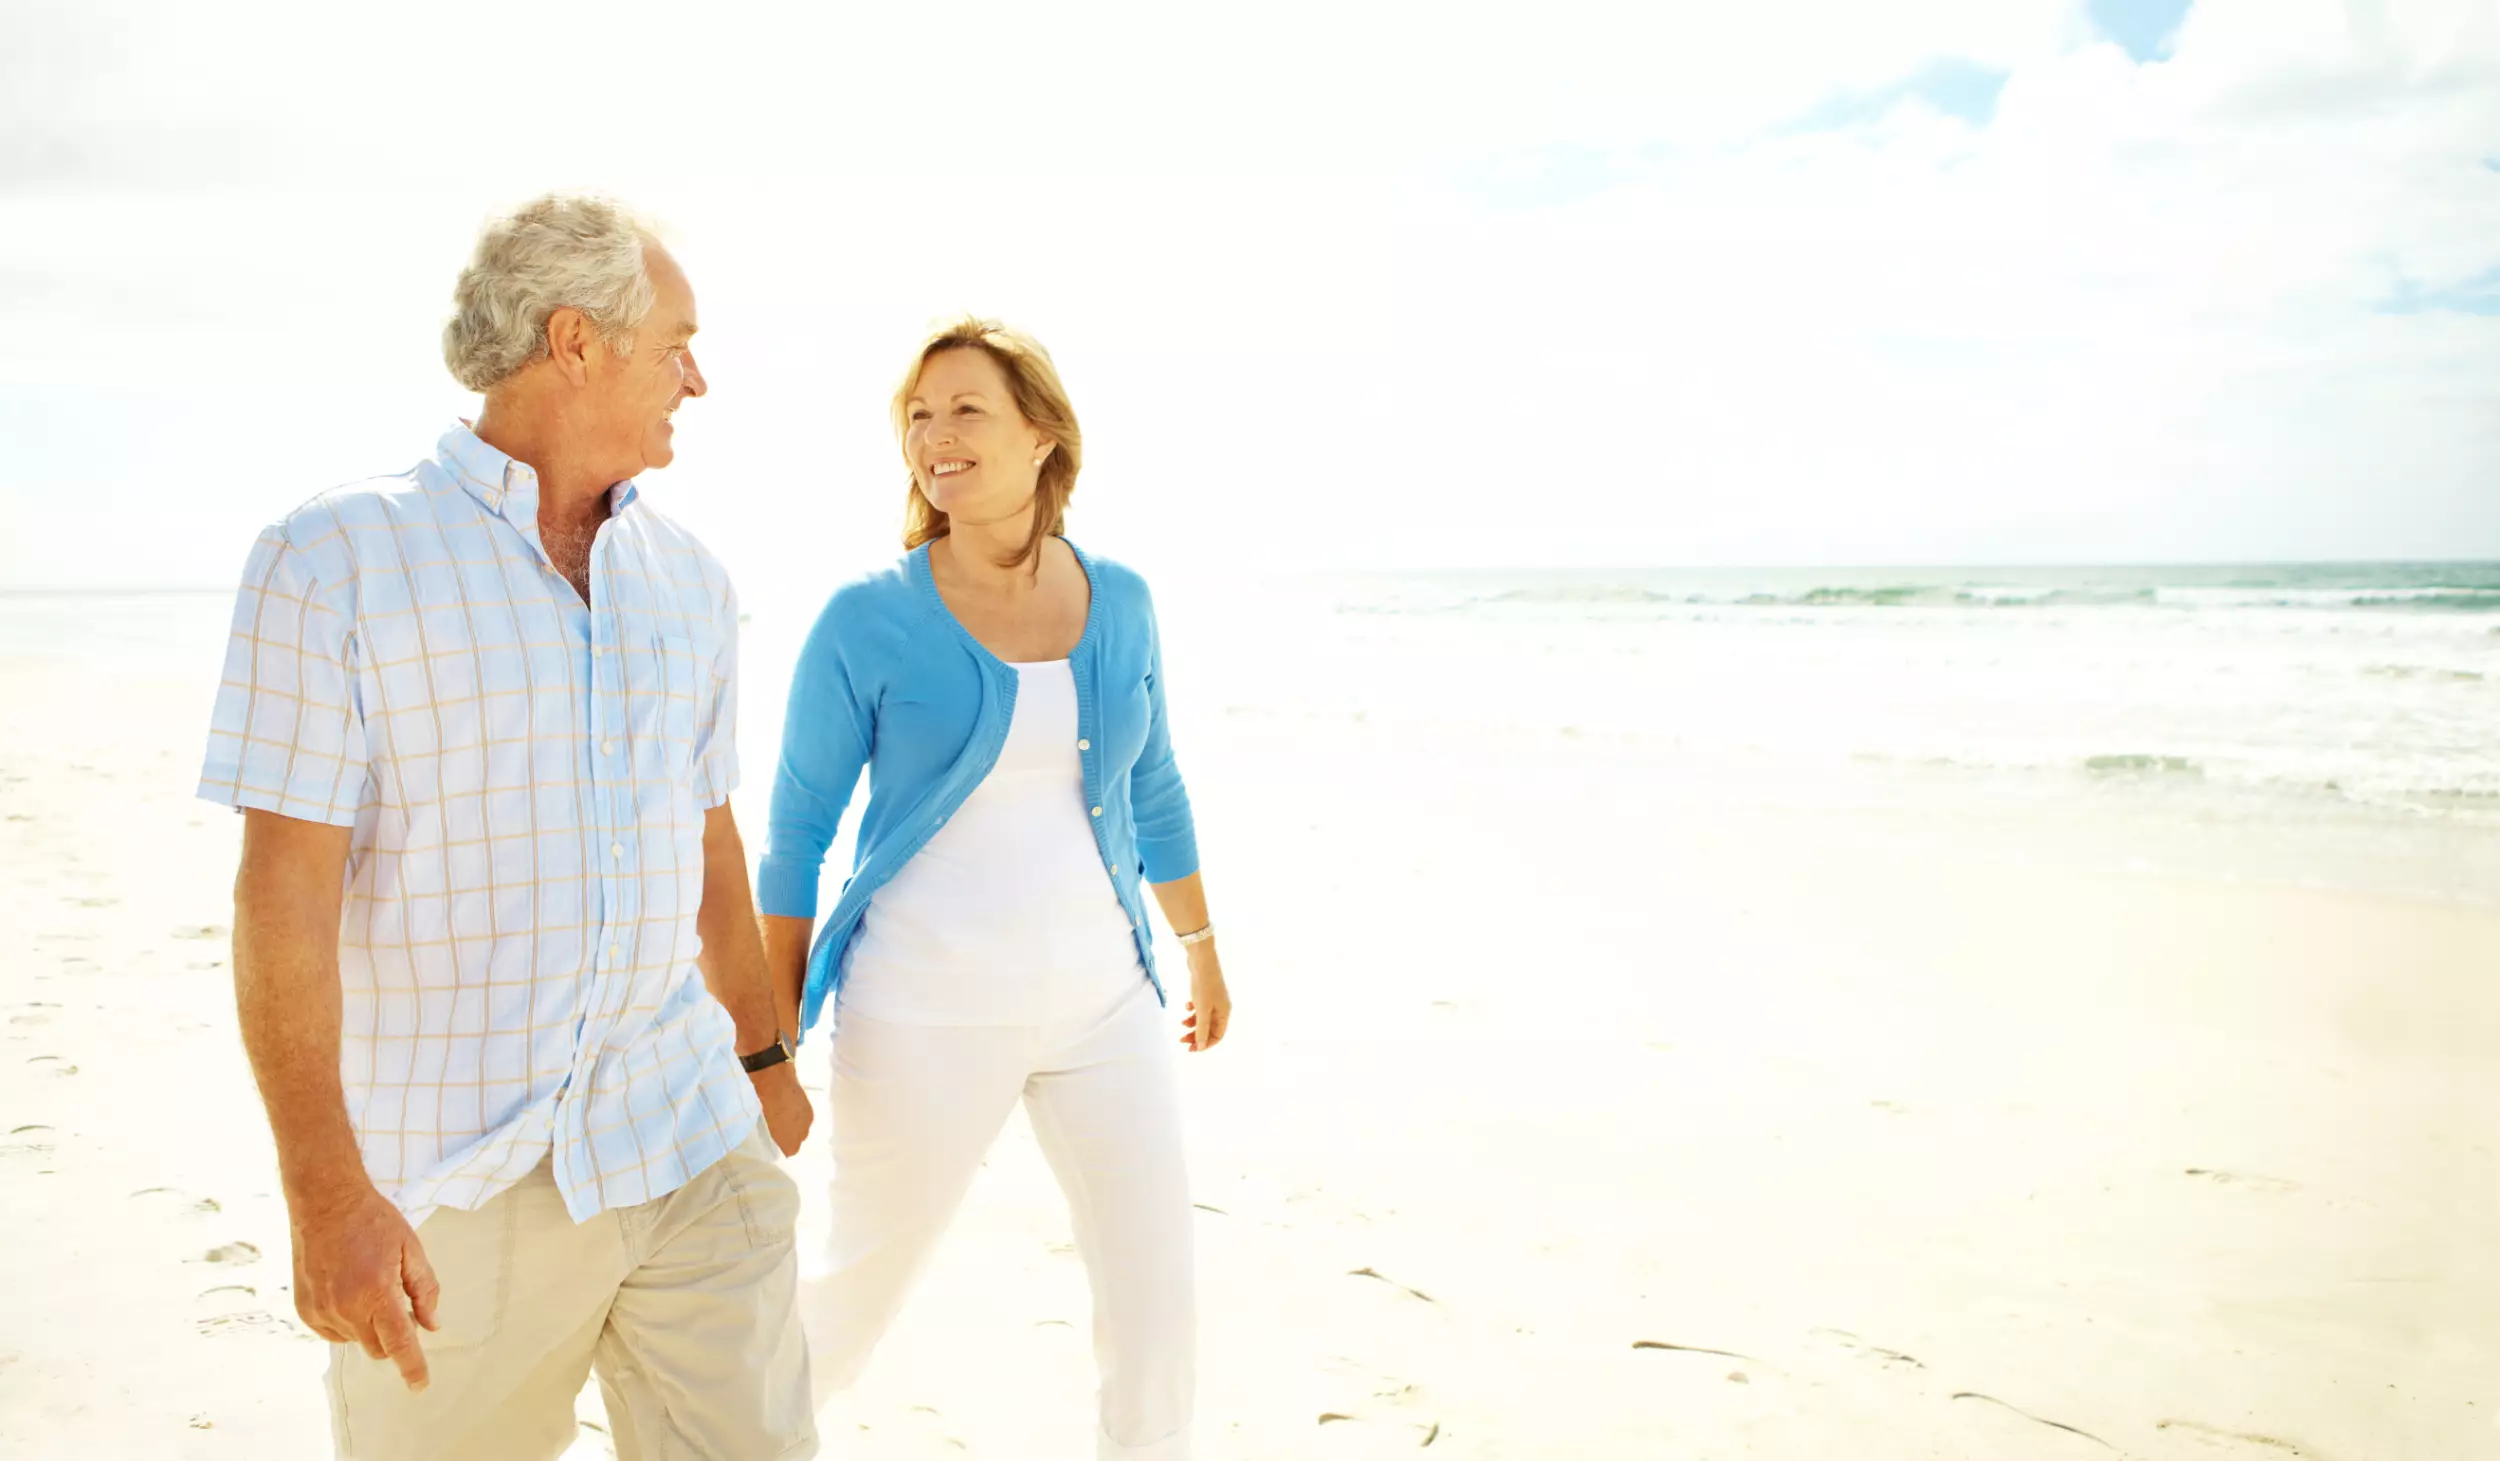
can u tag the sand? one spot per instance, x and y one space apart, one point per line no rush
1580 1105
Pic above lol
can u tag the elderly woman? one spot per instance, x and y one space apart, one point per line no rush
1004 692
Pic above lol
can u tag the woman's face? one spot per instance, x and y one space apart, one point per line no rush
972 452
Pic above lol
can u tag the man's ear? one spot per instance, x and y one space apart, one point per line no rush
570 339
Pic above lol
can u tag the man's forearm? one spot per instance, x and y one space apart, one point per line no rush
733 969
286 987
733 953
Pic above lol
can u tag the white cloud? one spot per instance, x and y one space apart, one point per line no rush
1341 283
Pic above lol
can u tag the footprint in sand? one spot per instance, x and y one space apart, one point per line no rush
1417 1432
2029 1422
2215 1441
1668 1346
1366 1400
232 1308
929 1425
2243 1180
1374 1273
1891 1359
52 1065
93 902
175 1200
34 1141
201 930
236 1254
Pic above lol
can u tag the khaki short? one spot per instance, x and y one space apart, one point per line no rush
682 1305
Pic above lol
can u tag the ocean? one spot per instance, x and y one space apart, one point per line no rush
2377 685
2266 697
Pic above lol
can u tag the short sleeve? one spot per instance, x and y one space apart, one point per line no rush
287 734
716 738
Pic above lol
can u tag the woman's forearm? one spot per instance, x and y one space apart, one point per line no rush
1210 1018
785 964
1184 903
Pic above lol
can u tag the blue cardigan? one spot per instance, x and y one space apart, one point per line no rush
891 681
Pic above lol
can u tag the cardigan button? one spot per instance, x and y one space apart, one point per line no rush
1085 745
1097 811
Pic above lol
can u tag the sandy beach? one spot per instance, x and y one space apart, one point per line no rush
1581 1105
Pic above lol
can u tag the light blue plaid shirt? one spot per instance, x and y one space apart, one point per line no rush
526 778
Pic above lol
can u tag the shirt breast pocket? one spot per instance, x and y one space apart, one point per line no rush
671 694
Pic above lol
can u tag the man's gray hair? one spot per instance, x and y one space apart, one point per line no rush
556 252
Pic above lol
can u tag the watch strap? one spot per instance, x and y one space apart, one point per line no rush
768 1057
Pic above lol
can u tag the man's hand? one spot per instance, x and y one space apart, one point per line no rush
787 1113
361 1278
733 969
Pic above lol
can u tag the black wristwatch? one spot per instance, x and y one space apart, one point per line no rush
770 1056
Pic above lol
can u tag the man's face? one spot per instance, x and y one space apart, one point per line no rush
628 402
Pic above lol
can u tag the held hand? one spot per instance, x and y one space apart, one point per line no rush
787 1113
361 1278
1210 1016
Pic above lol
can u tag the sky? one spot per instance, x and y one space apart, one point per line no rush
1333 285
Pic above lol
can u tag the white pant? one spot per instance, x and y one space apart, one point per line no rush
914 1109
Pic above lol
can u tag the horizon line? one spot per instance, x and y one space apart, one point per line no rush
1903 566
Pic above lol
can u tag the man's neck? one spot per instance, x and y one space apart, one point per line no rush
570 497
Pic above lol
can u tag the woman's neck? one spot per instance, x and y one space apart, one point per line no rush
975 552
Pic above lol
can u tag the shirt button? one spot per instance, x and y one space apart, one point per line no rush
607 748
1085 745
616 849
616 951
1097 811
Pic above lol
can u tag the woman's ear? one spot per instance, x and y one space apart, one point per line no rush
1041 452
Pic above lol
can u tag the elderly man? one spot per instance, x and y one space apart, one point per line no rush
495 956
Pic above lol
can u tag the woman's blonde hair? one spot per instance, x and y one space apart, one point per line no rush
1043 401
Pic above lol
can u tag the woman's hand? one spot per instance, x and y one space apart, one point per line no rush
1210 1015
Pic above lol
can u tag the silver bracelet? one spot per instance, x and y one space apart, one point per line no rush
1201 936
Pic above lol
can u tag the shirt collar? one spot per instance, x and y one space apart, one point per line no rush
506 487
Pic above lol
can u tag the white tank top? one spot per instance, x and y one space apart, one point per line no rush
1007 916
